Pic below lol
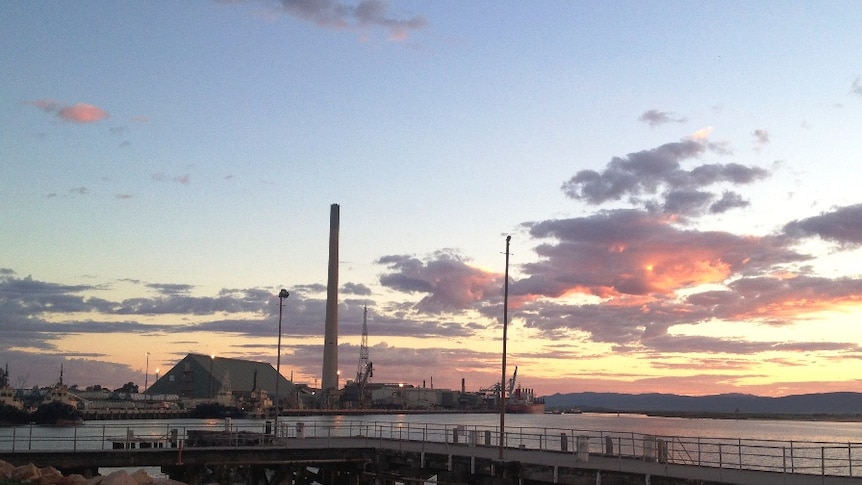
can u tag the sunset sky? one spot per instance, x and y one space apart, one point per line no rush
681 182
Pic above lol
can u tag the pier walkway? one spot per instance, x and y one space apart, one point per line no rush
370 452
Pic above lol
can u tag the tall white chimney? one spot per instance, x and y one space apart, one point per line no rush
330 343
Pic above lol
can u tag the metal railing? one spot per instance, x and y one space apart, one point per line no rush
800 457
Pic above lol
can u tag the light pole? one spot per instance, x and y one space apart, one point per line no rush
505 327
212 362
147 373
281 296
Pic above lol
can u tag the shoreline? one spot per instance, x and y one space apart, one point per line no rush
838 418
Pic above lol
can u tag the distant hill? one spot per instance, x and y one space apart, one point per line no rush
842 403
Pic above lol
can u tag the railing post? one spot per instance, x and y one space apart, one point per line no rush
75 439
13 438
784 460
699 462
822 461
720 460
792 459
850 459
620 452
30 439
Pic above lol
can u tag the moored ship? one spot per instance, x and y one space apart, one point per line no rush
524 401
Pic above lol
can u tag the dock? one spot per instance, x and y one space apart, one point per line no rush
385 453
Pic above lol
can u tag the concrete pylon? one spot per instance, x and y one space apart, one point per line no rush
330 342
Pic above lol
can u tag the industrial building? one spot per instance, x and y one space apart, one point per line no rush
208 378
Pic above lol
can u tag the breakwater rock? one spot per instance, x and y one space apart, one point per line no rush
30 473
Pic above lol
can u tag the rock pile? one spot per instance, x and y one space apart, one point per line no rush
48 475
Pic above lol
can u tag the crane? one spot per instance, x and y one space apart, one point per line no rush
495 389
364 369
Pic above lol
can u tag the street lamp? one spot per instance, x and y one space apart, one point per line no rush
505 326
281 296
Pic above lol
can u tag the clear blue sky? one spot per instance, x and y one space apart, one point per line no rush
680 181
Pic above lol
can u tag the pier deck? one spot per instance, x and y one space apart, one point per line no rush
384 453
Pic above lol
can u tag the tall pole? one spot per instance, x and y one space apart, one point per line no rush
281 296
147 373
505 329
329 381
212 362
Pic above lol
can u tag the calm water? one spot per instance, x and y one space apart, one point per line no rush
813 431
572 424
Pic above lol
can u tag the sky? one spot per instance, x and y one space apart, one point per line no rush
679 181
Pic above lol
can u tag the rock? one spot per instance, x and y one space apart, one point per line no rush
74 479
25 473
142 477
6 469
49 476
166 481
97 480
119 477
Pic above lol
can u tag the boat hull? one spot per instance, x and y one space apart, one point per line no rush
526 408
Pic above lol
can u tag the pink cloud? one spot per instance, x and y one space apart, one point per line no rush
47 105
82 113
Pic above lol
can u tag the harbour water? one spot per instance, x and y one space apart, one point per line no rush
751 429
589 423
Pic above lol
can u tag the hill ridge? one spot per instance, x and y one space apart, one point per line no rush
844 402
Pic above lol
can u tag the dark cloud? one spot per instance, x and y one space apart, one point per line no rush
170 288
761 137
843 226
729 200
782 300
856 88
187 305
638 253
657 172
642 326
355 289
365 14
699 344
449 282
41 369
686 201
654 117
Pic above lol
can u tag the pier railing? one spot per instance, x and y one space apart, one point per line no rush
799 457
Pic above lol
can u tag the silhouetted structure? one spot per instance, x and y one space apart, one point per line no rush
202 377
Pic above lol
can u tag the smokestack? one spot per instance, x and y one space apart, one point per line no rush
330 342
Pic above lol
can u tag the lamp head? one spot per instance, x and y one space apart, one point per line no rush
283 293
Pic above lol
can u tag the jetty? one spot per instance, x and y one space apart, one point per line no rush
363 452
